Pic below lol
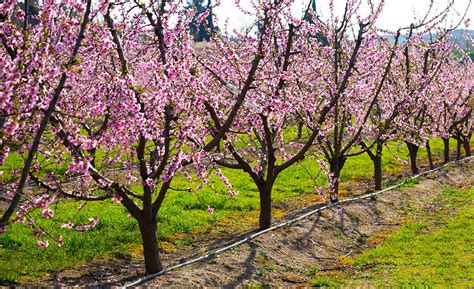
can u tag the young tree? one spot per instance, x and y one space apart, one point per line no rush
358 71
253 139
287 88
380 126
419 70
453 110
389 113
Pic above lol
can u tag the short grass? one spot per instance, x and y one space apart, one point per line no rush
433 249
182 220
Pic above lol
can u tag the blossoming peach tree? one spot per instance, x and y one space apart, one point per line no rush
128 95
311 71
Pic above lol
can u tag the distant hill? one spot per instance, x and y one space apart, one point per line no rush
464 42
459 37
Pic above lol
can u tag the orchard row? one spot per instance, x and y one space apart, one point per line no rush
94 85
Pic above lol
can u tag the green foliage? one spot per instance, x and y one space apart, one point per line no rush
410 183
312 271
21 257
323 282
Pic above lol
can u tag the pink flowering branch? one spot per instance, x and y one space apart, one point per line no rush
45 120
73 195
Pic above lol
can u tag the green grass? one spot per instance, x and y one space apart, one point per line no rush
182 219
20 255
434 249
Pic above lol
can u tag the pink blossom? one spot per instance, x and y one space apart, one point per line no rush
103 182
43 201
60 241
93 222
43 244
82 228
233 193
3 229
203 16
321 193
38 233
68 225
9 195
150 183
11 128
296 22
257 169
116 198
79 166
47 213
210 210
19 219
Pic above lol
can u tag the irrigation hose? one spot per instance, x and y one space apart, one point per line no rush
284 224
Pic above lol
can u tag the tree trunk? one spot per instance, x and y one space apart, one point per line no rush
458 148
265 191
150 246
430 156
335 169
467 147
446 149
413 152
334 191
377 160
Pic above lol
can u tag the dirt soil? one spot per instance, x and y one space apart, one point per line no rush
283 257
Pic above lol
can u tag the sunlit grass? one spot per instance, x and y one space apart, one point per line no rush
433 249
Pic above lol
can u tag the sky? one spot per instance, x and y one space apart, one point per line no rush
396 13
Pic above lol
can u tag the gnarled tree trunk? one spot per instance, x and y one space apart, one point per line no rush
458 147
467 147
413 152
446 149
265 191
150 245
430 156
377 161
335 168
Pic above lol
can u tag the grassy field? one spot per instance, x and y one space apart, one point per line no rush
182 220
433 249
